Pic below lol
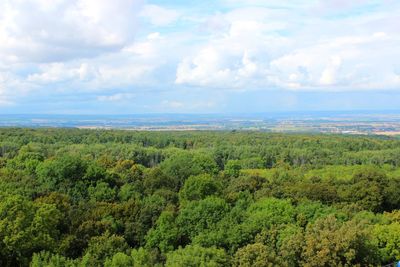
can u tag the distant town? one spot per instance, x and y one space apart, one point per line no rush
357 123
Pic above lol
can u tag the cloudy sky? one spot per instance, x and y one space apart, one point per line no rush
209 56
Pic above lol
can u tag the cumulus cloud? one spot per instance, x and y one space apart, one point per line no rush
345 63
133 65
266 49
48 31
111 51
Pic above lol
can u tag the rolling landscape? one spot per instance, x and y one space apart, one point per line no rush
95 197
213 133
358 123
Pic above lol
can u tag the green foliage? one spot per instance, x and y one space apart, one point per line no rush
145 258
71 197
270 211
198 216
102 247
366 189
128 191
232 168
119 260
155 180
387 239
138 217
101 192
183 165
165 235
256 255
61 171
26 227
137 258
198 187
331 243
192 256
46 259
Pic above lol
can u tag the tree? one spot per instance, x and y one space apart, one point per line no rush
119 260
198 187
102 247
145 258
165 234
331 243
46 259
101 192
155 179
391 194
139 216
64 174
232 168
193 256
182 165
198 216
61 171
128 191
366 189
269 211
387 239
256 255
25 228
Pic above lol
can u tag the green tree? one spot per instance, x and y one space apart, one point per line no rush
46 259
198 187
25 228
182 165
193 256
268 212
198 216
102 247
366 189
101 192
232 168
256 255
119 260
61 171
155 179
145 258
331 243
165 235
387 239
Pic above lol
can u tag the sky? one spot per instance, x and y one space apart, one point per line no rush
209 56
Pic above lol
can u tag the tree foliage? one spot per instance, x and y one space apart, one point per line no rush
71 197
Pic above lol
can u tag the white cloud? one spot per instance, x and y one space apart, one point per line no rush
132 65
329 74
172 104
92 47
159 16
238 59
345 63
186 105
116 97
11 88
45 31
268 48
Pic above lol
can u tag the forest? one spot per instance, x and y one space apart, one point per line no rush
74 197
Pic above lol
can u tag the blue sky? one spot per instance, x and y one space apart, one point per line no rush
227 56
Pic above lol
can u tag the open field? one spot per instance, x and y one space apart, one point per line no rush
338 123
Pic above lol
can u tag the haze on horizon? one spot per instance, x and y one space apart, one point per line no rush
227 56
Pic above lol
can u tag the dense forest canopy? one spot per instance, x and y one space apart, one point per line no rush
72 197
